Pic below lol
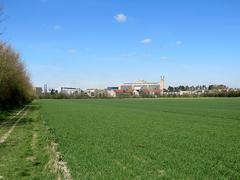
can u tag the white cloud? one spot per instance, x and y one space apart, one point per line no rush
146 41
121 18
164 58
179 43
57 27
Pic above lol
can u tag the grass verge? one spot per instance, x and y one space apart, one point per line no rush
25 154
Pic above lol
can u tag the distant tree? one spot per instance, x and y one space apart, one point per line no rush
211 87
221 86
192 88
181 88
53 91
170 89
217 87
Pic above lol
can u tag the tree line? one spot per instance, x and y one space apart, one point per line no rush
15 86
196 88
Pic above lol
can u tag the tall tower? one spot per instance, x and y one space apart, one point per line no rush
162 84
45 88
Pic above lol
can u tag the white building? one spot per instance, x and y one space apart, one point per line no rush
70 90
142 85
181 93
112 93
91 92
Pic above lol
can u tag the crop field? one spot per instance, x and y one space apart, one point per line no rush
147 138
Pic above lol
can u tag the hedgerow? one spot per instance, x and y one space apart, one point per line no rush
15 85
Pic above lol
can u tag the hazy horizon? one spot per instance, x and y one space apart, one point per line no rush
95 44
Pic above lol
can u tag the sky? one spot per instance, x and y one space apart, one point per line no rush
100 43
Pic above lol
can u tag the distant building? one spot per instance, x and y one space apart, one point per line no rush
91 92
111 91
162 84
96 92
45 88
38 91
182 93
120 93
142 86
70 90
112 88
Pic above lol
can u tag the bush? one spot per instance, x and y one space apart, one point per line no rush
15 86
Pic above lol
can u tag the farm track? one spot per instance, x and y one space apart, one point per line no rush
4 137
24 143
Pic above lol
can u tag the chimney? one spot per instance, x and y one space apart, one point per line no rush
162 83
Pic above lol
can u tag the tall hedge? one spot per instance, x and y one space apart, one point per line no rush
15 85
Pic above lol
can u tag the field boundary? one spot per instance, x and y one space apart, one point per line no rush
8 133
57 164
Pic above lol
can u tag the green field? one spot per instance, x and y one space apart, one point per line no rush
147 138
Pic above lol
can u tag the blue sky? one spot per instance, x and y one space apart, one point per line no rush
99 43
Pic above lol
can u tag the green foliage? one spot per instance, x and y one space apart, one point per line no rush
15 86
147 138
222 94
217 87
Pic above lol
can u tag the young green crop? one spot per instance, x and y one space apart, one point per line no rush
147 138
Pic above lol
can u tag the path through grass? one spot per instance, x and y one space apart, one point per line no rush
25 154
